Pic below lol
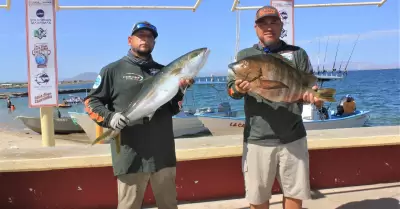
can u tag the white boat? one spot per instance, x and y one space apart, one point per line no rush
183 125
224 121
63 125
219 125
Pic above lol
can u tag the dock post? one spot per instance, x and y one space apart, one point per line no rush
47 124
99 132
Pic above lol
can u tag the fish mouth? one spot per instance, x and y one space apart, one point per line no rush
232 67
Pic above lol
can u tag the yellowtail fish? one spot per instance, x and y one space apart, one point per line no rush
160 89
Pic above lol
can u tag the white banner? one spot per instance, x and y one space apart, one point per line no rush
286 10
41 51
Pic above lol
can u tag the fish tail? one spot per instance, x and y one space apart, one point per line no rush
327 94
106 135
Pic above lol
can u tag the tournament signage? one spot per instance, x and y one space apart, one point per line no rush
286 11
41 51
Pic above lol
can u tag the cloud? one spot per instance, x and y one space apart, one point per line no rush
351 37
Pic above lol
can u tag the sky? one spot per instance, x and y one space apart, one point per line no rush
87 40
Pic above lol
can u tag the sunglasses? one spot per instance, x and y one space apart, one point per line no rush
144 25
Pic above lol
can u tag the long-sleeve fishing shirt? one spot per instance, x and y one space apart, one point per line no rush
274 122
148 146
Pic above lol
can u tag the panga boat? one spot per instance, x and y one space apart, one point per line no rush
223 120
220 125
183 126
63 125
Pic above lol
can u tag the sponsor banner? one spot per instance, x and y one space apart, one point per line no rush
286 11
41 52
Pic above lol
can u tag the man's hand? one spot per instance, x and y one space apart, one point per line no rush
184 83
118 121
308 97
242 86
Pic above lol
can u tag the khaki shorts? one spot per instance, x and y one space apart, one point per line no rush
287 162
132 187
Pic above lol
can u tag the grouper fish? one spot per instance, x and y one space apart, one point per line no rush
274 78
159 90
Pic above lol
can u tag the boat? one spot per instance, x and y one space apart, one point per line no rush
223 120
220 125
183 125
63 125
64 105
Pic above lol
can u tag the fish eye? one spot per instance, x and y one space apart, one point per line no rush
244 63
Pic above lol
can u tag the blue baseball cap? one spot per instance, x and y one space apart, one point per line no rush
144 25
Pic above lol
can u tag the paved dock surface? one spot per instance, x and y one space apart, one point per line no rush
377 196
78 153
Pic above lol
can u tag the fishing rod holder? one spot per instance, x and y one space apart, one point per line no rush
7 5
377 3
193 8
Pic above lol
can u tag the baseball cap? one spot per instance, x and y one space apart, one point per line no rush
267 11
144 25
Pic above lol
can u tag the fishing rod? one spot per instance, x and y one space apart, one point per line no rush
237 31
345 69
326 49
319 47
340 67
334 62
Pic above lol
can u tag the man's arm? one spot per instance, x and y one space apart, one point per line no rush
98 97
232 91
175 107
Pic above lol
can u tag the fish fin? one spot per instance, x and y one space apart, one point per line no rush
326 94
270 84
150 116
106 135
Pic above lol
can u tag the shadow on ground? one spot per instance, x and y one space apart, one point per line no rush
382 203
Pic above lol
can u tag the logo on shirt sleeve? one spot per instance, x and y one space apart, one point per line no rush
97 82
288 55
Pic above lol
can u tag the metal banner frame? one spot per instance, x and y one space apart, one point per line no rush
7 5
193 8
376 3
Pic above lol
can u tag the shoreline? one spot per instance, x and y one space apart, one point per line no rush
25 94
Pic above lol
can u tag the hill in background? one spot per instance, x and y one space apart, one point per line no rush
86 76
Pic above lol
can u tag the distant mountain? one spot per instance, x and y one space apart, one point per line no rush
86 76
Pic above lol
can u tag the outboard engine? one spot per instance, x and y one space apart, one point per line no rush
224 107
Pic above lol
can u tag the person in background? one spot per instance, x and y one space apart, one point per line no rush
349 105
273 130
323 111
147 146
9 103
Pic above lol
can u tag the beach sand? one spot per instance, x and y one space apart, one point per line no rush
27 139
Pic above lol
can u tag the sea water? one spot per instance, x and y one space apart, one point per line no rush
375 90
